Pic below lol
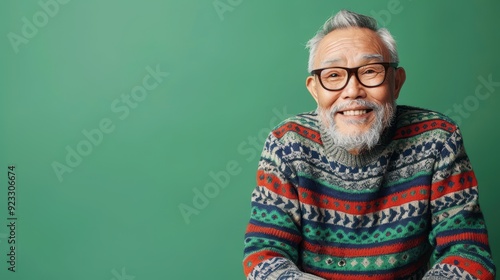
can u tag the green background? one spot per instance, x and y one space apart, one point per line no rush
231 74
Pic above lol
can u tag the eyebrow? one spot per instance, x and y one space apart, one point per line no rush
373 56
330 61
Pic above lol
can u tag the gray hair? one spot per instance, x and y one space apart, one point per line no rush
345 19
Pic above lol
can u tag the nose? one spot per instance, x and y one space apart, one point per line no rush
354 89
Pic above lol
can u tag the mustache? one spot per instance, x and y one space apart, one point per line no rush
364 103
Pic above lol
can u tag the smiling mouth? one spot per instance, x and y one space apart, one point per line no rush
355 112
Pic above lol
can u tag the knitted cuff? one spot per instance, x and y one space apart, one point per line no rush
445 272
279 268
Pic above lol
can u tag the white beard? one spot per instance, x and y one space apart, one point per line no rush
363 140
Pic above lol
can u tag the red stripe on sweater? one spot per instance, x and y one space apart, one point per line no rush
251 228
474 268
418 128
452 184
275 185
308 133
416 193
364 252
468 236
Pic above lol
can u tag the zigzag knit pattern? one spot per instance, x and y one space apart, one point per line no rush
319 212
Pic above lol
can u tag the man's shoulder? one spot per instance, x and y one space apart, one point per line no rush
410 115
413 121
309 119
303 125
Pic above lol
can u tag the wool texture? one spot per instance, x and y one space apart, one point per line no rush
406 209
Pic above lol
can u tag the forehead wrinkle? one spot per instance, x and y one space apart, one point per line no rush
343 45
362 58
350 48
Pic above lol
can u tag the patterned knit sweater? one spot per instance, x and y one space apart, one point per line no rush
407 209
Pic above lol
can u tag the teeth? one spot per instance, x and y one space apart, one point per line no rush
354 112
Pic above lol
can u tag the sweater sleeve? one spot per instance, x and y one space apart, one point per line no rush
273 235
458 232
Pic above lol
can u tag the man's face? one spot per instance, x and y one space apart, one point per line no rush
353 47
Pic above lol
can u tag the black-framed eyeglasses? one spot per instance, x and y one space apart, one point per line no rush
369 75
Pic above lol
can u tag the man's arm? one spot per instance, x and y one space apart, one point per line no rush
459 232
273 234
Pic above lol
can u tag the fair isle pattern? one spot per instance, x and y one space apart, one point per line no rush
318 211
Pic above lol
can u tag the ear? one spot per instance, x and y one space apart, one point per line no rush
400 78
311 87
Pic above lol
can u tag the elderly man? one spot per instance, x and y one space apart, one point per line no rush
362 188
